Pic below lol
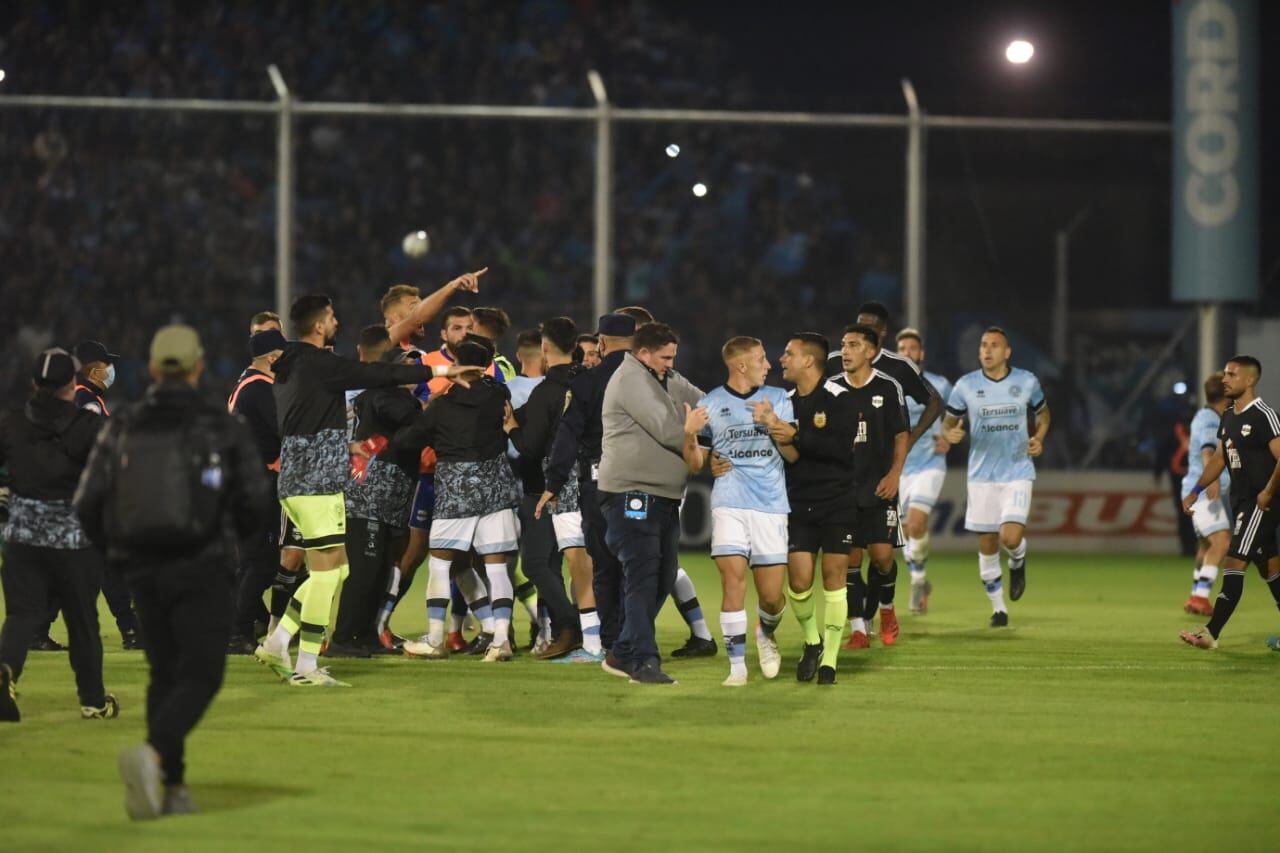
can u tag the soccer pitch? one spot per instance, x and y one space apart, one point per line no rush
1085 725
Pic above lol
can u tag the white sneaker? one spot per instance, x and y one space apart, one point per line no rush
498 652
316 678
767 650
425 649
739 679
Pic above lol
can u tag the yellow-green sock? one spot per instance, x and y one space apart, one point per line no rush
802 605
317 607
833 619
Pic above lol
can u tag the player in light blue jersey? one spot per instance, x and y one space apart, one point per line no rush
996 401
749 503
1209 515
922 476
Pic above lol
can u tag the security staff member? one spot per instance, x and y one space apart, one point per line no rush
642 481
45 445
184 599
253 401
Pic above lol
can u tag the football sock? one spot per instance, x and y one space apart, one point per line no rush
855 594
687 602
437 598
1273 584
872 596
769 621
287 628
802 606
589 621
1232 589
837 610
1204 578
317 608
477 598
527 593
501 592
1017 556
734 625
458 606
888 582
282 589
989 571
917 554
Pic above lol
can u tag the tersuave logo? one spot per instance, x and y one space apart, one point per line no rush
1212 141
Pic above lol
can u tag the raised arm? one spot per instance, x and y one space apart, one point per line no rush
427 309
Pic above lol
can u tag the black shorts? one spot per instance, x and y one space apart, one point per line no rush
290 538
825 528
1253 532
877 525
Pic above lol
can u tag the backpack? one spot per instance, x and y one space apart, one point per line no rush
168 487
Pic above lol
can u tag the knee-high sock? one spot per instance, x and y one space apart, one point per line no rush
282 589
802 606
527 593
734 625
472 589
687 602
458 605
437 598
317 609
989 572
917 554
1273 583
769 622
888 583
837 610
1017 556
855 596
501 593
390 599
589 621
290 621
872 599
1232 589
1202 580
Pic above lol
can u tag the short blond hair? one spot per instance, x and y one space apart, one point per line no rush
737 347
396 293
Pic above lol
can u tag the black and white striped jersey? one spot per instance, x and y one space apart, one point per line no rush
1246 437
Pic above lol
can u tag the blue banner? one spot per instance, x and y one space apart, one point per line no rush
1215 150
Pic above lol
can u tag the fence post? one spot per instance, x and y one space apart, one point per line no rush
913 243
284 193
601 291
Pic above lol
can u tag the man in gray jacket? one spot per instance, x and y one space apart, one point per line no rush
642 481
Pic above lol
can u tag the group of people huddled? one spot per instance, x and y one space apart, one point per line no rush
444 457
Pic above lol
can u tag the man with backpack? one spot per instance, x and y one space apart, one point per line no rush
170 486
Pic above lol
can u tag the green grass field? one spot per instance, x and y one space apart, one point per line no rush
1085 725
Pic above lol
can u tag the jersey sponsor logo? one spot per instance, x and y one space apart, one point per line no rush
755 431
819 419
1246 429
861 437
877 401
760 453
1006 411
725 411
1001 427
891 518
1233 455
981 393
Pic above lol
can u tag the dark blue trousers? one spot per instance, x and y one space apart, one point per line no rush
606 571
649 551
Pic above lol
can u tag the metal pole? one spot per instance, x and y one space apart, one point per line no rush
601 291
915 225
1210 360
1062 285
284 193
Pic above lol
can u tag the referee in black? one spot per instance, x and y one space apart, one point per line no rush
46 444
1249 448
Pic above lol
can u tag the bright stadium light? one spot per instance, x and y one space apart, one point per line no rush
673 150
699 189
1019 51
1 75
1179 387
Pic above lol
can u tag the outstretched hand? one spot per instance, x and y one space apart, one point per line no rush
469 281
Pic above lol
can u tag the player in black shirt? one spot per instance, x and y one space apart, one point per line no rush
879 451
1249 447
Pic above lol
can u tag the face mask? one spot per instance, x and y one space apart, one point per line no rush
110 378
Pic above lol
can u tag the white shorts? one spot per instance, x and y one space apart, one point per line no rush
921 489
1209 517
761 537
568 526
495 533
993 504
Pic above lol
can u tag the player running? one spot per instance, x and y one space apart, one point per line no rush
1208 513
1249 448
922 476
995 401
748 504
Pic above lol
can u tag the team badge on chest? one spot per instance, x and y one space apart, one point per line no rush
819 419
1246 429
877 401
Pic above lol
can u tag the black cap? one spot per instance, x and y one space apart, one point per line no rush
266 341
55 367
617 325
88 352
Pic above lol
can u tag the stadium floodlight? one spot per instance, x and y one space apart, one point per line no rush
699 189
1019 51
1179 387
1 75
673 150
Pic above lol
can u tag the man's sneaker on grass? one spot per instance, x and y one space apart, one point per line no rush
281 666
45 644
581 656
423 648
8 696
807 668
1000 619
857 640
1273 643
139 768
826 675
177 800
130 641
1017 582
767 651
480 645
1198 605
318 677
615 666
1201 639
564 642
455 642
888 626
735 679
498 653
650 672
696 647
390 641
920 597
109 710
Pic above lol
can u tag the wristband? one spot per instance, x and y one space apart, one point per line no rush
439 369
1197 489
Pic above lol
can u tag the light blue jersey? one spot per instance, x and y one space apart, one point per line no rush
758 479
1204 434
521 387
997 415
922 457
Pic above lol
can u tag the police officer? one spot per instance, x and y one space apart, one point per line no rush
183 591
45 445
